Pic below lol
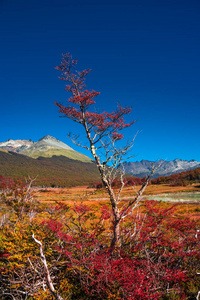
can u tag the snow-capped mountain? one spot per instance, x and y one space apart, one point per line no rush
46 143
143 168
45 147
43 144
16 145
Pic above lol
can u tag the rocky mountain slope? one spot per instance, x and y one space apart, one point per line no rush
16 145
143 168
45 147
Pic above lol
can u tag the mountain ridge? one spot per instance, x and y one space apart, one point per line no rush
165 168
50 147
46 146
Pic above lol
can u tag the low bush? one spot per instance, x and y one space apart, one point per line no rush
157 258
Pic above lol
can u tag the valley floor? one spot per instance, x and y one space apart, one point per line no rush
91 194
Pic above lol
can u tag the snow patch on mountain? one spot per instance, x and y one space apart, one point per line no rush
16 145
144 167
52 142
46 143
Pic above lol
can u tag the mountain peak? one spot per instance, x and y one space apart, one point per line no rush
47 137
45 143
49 142
47 146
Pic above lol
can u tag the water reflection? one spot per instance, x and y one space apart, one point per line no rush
177 197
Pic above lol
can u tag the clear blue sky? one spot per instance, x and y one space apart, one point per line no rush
144 54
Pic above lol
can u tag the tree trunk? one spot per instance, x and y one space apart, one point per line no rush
116 232
113 200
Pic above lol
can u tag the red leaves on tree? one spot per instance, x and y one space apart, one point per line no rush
71 111
102 130
117 136
84 98
103 124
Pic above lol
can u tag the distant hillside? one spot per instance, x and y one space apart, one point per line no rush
183 178
50 171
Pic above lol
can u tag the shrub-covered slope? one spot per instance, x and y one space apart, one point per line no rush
183 178
52 171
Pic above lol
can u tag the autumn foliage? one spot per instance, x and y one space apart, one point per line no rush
181 179
6 182
97 125
158 256
129 181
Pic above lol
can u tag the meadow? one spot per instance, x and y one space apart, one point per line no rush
91 194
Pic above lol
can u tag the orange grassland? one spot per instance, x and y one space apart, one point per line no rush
91 195
97 198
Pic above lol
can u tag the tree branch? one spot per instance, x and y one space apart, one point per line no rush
48 277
